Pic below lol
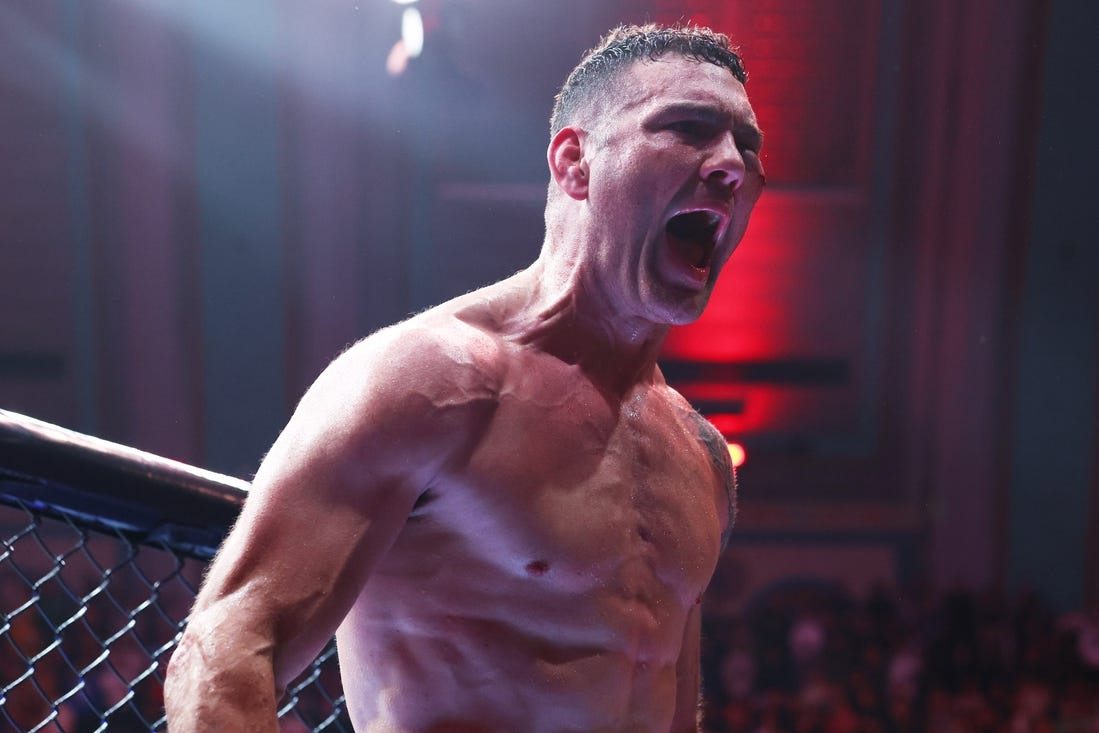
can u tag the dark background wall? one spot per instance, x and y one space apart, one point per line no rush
202 203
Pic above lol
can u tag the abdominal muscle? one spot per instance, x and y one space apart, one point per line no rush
477 676
536 662
545 585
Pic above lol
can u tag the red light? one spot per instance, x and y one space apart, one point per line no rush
736 452
726 424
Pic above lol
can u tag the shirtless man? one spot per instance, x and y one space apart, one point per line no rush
501 509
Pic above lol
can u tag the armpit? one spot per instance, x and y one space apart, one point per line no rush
419 508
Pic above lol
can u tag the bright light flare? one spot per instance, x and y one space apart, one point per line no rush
397 61
737 454
412 32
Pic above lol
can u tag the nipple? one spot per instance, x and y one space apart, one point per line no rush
536 568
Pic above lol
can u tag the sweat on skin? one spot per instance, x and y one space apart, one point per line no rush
500 508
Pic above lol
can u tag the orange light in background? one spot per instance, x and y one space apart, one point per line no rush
736 452
397 61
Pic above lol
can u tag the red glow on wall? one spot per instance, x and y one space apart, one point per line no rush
743 319
796 289
725 423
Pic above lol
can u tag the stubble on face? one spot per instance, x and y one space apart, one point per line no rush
644 169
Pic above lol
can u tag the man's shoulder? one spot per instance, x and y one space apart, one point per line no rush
409 391
433 340
433 355
696 424
678 404
716 448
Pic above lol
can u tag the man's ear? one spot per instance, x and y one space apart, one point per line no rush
567 164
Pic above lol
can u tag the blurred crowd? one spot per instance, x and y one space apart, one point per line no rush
805 658
812 659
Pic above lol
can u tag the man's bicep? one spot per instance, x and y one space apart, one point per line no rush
299 555
278 588
334 492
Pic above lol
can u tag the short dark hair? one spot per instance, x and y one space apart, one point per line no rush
629 43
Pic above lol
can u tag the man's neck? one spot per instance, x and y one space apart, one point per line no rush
564 317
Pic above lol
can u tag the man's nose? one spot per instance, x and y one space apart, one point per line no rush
724 163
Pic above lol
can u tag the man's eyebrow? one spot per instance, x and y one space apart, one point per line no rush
746 131
708 112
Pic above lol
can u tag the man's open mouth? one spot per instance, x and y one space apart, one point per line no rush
693 236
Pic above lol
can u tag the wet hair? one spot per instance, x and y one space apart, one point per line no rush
626 44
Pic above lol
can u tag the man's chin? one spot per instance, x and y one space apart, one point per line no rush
680 306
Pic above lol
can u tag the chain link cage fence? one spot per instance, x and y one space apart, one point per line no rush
103 549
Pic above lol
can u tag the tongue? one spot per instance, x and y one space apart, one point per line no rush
690 235
690 251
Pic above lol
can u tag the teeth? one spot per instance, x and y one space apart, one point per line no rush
711 217
711 221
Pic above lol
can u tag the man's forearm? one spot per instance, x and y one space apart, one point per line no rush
682 724
214 684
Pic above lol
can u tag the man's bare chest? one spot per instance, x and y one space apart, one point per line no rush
566 485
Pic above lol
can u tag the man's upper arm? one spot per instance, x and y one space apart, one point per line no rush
334 492
688 672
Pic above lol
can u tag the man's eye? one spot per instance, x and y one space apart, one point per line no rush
690 128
